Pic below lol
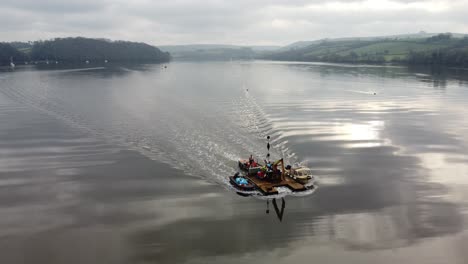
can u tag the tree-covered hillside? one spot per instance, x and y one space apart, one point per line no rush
216 52
83 49
8 52
438 49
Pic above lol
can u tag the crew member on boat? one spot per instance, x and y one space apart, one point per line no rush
252 162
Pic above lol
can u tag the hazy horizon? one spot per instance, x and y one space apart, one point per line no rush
247 23
246 45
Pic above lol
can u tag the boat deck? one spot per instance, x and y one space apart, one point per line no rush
269 187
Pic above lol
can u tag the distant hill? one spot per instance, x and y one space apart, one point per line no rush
216 52
420 35
264 48
195 47
81 49
300 44
379 50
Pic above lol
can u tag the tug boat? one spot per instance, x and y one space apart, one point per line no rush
242 183
250 166
301 174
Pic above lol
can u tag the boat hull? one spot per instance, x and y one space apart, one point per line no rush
302 180
246 187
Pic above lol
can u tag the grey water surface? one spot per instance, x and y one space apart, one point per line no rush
129 163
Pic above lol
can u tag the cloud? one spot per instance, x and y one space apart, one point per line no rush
55 6
237 22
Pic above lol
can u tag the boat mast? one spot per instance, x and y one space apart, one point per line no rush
280 161
268 148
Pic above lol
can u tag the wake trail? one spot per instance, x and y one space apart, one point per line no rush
197 148
257 122
205 143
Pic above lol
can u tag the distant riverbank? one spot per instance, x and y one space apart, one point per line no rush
442 49
426 49
80 50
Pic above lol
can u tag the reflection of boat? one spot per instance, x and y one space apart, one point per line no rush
241 183
279 213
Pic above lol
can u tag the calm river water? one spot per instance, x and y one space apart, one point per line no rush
129 164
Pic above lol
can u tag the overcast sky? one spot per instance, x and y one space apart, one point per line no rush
253 22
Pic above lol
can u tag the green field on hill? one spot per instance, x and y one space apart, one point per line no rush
374 51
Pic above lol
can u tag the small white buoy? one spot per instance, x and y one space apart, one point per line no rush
87 62
56 62
106 61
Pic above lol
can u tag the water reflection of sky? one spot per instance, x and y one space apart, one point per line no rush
402 149
392 165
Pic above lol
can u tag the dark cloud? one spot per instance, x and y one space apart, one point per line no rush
237 22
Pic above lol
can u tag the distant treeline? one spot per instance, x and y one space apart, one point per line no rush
220 54
456 55
441 49
453 57
8 52
73 50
